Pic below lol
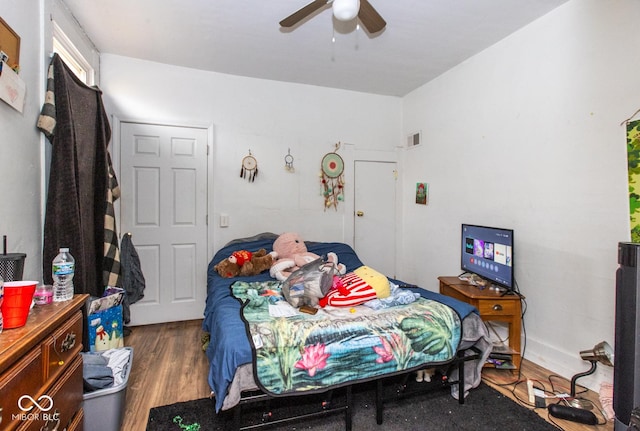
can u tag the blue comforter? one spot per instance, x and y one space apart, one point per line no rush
229 345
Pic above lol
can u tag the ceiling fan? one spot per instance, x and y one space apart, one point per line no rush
343 10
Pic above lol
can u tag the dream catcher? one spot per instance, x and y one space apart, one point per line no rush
288 162
249 169
332 179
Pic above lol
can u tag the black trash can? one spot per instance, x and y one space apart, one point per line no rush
11 266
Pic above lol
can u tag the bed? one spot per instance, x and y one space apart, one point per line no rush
234 356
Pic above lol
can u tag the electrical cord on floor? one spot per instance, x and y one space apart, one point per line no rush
553 393
549 394
602 420
584 390
525 402
601 417
532 406
505 384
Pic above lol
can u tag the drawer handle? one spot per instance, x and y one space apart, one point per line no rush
68 342
66 345
497 307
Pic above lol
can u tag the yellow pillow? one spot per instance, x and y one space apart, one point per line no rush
377 281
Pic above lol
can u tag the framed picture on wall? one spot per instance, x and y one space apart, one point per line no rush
422 193
9 45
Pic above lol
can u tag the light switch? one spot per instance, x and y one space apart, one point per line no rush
224 220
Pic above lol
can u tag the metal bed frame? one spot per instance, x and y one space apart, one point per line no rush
327 407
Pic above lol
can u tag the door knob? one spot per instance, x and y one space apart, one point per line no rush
359 213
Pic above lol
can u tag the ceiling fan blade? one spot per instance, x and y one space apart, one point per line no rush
301 14
370 17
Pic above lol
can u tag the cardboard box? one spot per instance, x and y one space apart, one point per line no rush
105 329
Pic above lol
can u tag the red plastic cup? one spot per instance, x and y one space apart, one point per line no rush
17 302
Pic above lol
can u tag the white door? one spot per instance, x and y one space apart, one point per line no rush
163 179
375 215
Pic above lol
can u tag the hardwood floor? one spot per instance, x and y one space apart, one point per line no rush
169 366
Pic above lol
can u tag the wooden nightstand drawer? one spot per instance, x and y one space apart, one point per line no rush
63 346
496 308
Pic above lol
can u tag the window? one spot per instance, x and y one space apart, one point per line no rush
71 56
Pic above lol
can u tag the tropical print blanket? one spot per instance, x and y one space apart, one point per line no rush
301 353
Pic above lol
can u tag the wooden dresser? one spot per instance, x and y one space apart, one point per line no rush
41 369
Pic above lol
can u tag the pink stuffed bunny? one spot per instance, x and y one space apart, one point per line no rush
291 253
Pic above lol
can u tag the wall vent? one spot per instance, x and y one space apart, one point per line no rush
414 139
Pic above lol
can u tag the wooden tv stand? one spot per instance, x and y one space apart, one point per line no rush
493 306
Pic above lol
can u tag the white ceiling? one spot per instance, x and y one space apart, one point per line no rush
422 39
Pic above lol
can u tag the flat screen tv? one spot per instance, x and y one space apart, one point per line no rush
488 253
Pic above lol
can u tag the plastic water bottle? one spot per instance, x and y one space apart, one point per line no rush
63 268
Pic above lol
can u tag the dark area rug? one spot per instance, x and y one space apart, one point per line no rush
484 409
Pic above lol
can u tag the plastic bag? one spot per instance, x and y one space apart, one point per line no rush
306 285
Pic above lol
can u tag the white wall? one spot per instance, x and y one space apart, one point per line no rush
268 118
527 135
20 145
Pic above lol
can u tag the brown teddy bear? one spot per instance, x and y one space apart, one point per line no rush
244 263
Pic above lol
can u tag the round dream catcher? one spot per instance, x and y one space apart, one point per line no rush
288 162
249 169
332 179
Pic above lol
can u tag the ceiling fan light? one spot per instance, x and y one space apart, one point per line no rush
345 10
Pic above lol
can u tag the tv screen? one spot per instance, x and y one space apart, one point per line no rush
488 253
